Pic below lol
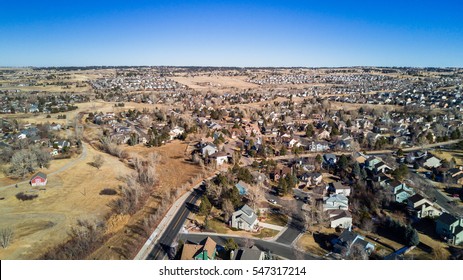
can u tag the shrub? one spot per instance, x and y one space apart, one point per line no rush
108 191
23 196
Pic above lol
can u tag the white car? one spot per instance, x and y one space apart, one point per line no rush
272 201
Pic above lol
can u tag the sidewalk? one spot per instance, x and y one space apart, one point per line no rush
271 226
152 240
157 233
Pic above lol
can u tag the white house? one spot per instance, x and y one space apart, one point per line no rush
422 207
220 158
209 149
245 218
338 188
335 201
340 218
432 162
175 132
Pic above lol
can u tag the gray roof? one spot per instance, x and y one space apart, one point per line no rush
247 210
247 215
252 253
40 174
347 236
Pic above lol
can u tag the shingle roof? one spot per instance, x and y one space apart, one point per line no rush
447 219
415 198
252 253
41 175
248 215
190 251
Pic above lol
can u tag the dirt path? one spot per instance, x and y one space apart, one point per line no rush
68 165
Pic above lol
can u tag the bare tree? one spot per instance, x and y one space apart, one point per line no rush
214 192
42 155
22 163
227 208
254 195
6 235
98 161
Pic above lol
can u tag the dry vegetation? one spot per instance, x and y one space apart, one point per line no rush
215 82
129 232
44 222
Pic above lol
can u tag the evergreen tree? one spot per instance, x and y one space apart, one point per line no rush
205 206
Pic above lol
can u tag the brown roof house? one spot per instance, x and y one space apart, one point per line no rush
205 250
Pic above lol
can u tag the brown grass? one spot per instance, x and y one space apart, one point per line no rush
215 82
45 221
173 172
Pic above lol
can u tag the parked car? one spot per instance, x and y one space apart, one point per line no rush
272 201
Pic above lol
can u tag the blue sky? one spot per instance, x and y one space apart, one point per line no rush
232 33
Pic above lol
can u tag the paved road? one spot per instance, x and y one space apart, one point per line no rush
275 248
290 234
82 156
294 227
162 247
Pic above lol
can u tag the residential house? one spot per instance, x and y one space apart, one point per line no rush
245 218
209 149
176 132
61 144
280 171
422 207
456 175
413 156
450 228
371 162
311 178
338 188
329 159
348 239
360 158
54 152
340 218
205 250
219 157
247 254
401 191
55 126
323 135
432 162
318 146
242 187
39 180
381 167
335 201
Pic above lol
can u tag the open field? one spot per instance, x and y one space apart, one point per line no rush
449 154
70 195
214 82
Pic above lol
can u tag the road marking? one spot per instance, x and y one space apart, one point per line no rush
178 220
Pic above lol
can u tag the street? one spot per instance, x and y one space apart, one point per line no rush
275 248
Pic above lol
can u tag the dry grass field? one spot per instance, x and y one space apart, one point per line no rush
215 82
70 195
173 172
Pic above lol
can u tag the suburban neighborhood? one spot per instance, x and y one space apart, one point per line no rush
214 163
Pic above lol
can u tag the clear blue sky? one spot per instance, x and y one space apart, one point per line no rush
232 33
